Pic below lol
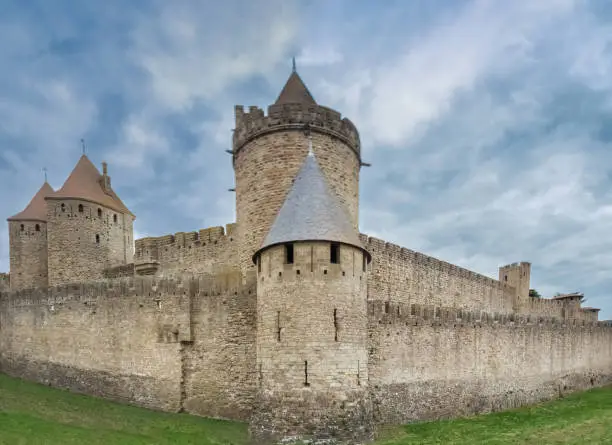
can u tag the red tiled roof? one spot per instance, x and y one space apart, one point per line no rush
36 210
295 91
85 182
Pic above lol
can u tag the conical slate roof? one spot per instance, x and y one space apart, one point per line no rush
311 212
85 182
295 91
36 210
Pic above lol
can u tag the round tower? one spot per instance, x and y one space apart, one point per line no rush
268 151
28 243
312 361
89 227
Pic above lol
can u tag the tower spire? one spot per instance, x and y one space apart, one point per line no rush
83 145
45 173
294 69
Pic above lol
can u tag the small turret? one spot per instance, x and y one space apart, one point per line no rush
312 319
28 243
90 228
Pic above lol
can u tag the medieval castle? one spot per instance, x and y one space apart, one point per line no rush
289 318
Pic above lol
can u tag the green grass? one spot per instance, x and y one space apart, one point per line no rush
34 414
581 418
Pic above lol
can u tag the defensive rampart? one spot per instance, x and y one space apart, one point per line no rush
208 251
175 345
428 362
402 275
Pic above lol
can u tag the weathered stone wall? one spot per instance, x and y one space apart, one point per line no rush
4 282
81 244
431 363
110 339
402 275
208 251
311 345
175 345
122 271
28 254
268 152
219 365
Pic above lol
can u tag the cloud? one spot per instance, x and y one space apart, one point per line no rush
486 122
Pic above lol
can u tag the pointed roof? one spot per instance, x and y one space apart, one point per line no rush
36 210
85 182
311 212
295 91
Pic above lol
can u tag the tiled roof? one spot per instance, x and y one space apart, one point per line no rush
295 91
85 182
36 210
311 212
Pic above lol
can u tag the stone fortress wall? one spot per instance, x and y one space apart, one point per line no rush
187 343
203 252
169 344
187 322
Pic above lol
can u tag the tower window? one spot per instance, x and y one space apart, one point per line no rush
22 227
364 263
80 208
63 207
114 218
289 253
259 264
99 213
98 239
37 227
334 253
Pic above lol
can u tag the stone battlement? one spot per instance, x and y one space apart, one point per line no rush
282 117
205 251
89 293
389 313
403 254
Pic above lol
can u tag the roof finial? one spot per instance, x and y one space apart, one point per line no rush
83 145
294 69
45 172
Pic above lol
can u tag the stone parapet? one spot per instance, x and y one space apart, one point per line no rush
283 117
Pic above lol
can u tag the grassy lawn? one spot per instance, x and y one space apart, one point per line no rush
35 414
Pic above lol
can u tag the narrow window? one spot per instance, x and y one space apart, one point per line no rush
358 374
37 227
505 277
63 206
289 253
114 218
22 227
98 239
278 327
259 264
364 263
335 324
306 373
334 253
99 213
80 208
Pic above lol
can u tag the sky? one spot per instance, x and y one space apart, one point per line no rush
488 124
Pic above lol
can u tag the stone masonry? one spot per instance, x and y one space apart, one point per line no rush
289 318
